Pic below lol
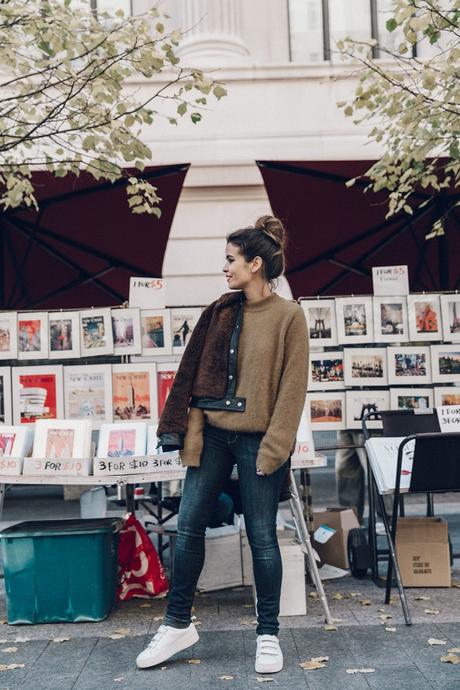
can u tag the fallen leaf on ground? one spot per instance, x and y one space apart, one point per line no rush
360 670
61 639
434 641
355 594
455 583
385 616
454 650
365 602
119 679
390 629
116 636
312 665
197 622
450 659
337 595
337 620
145 606
320 658
163 668
263 679
247 621
2 622
21 639
329 628
10 667
226 677
122 631
248 606
194 661
422 598
313 595
157 618
10 650
431 611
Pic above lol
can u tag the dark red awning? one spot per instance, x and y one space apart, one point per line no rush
82 246
337 233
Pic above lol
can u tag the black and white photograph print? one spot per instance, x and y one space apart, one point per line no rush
445 363
411 398
390 320
326 370
450 310
409 365
321 321
354 320
358 403
365 366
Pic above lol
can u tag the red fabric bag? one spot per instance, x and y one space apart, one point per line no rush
140 571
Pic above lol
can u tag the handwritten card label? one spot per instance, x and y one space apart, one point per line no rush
147 293
163 465
38 467
10 466
449 418
390 280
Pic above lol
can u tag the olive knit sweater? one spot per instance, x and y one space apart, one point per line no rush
272 375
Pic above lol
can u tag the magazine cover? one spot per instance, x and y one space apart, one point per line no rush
33 335
88 392
37 393
8 335
7 440
133 392
60 439
6 415
59 443
183 321
96 332
120 440
64 335
156 332
126 330
165 379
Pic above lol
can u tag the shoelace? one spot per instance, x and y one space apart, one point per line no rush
157 637
268 647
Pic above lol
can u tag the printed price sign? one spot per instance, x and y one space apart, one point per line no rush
449 418
390 280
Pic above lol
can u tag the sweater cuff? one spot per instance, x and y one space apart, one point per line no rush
268 464
171 441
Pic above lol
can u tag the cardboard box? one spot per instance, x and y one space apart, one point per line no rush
422 549
222 565
341 521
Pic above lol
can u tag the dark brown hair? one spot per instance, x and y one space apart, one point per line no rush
267 239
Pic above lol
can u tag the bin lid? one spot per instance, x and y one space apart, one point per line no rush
41 528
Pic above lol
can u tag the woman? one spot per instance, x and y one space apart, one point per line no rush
237 398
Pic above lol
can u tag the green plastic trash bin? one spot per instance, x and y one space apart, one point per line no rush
60 570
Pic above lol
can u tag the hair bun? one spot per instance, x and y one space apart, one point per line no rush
273 228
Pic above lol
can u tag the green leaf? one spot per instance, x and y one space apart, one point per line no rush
195 117
182 108
219 91
391 24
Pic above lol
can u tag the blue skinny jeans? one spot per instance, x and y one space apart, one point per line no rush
260 497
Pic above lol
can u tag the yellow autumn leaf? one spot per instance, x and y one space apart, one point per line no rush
450 659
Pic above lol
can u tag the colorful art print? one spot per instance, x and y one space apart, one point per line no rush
326 370
321 321
8 335
59 443
411 398
450 310
7 443
64 335
33 335
37 393
121 443
88 392
6 416
126 331
359 403
390 319
365 367
445 363
156 332
424 317
409 365
447 395
134 392
326 410
354 320
96 332
165 379
183 321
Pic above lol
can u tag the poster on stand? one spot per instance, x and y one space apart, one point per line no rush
126 327
166 373
183 322
450 310
424 313
64 334
365 366
409 365
358 403
6 412
8 335
326 411
156 332
354 320
88 393
33 335
321 321
96 332
134 392
37 393
445 363
390 320
326 371
446 395
411 398
57 439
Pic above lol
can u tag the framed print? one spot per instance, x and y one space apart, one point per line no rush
37 393
450 311
326 411
96 332
354 320
59 439
326 371
411 398
6 412
134 392
409 365
365 366
183 321
8 335
446 395
360 402
321 321
390 320
122 440
64 333
166 373
445 363
126 329
15 441
156 331
424 314
33 335
88 393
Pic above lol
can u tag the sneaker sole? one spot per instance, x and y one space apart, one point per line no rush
187 641
269 668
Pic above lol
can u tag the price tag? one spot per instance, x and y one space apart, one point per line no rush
390 280
449 418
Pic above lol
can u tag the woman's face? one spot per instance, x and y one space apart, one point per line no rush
238 272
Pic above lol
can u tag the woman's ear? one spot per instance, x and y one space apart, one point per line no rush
256 264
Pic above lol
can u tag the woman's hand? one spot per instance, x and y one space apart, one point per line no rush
261 473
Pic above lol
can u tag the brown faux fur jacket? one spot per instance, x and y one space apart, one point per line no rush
204 365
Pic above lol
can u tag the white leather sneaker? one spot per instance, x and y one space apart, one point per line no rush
166 642
269 657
